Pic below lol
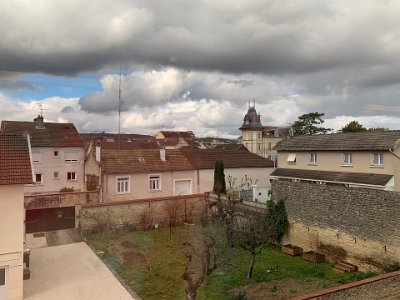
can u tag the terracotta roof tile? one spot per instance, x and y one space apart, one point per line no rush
15 164
142 161
53 135
342 177
375 140
238 158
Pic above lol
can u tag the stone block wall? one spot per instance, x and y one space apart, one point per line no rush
357 225
60 199
143 214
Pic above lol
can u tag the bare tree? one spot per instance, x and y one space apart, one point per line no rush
227 207
252 235
171 208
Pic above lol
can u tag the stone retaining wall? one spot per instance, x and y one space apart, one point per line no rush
60 199
357 225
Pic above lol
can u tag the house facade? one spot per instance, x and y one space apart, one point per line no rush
153 173
260 139
365 159
58 155
15 172
145 173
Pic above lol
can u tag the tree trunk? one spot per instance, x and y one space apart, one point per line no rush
252 260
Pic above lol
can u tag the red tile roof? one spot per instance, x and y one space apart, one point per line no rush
15 164
53 135
237 158
142 161
177 134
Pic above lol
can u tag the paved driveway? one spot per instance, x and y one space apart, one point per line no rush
71 271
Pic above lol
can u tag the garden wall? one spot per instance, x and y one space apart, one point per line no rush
60 199
143 213
357 225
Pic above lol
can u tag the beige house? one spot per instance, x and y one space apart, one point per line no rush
153 173
175 139
15 171
145 173
365 159
239 164
57 154
260 139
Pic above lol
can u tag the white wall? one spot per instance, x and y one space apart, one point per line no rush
262 175
11 236
49 164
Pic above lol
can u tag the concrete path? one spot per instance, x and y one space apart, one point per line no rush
71 271
52 238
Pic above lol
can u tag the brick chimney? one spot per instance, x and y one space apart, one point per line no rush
39 122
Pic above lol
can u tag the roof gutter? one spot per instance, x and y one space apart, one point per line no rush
391 150
329 181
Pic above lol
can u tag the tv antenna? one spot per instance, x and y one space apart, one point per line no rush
41 109
119 108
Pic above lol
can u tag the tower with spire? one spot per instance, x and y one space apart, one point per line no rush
260 139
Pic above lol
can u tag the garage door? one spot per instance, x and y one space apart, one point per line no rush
182 187
48 219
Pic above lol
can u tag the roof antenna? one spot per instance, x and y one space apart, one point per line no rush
41 110
254 103
119 108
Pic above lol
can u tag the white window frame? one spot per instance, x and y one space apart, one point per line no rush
312 158
73 178
347 159
380 160
67 160
4 288
154 182
291 159
120 187
190 186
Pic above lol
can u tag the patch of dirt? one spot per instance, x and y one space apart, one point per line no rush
134 258
279 289
128 253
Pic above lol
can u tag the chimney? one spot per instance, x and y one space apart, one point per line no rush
162 154
39 122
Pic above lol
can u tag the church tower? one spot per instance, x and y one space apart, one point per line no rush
252 131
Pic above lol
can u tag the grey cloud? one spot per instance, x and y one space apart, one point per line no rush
8 84
269 37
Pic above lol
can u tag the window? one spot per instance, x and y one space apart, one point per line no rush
55 153
377 159
71 156
269 146
312 158
347 159
123 185
71 175
259 146
36 157
55 175
38 178
291 158
2 276
154 182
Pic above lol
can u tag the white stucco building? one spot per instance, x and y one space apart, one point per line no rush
58 155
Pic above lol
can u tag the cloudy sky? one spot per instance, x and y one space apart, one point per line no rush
194 65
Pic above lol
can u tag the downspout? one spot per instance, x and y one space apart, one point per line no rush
30 156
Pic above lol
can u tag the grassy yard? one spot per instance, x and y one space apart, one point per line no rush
152 263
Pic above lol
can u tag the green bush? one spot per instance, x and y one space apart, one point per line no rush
393 267
66 189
